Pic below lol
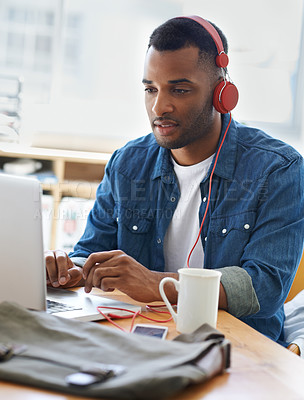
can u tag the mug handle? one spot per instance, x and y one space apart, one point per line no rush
164 297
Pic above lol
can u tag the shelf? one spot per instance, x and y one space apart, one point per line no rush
83 189
16 150
77 173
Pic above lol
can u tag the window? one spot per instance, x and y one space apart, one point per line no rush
81 62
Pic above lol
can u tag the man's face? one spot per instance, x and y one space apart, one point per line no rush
178 97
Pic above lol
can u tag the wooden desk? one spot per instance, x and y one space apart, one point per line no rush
260 369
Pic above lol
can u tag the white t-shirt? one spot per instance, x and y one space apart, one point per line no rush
184 226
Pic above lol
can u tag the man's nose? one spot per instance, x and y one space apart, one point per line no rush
162 104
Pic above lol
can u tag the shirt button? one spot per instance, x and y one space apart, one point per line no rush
246 226
159 240
224 230
205 199
206 239
117 219
173 199
134 227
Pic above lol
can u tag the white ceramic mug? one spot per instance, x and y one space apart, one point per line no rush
198 296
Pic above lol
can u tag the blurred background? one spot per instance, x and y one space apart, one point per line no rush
71 70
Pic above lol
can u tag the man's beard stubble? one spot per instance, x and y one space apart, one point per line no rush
199 126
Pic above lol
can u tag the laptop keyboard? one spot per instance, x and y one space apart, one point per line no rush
55 307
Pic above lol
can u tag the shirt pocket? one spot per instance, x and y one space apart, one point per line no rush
134 231
137 224
241 224
228 236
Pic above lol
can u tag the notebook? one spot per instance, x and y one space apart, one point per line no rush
22 266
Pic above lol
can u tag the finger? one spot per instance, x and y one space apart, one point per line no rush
96 258
46 271
75 274
90 262
51 268
89 279
108 284
70 262
97 273
62 261
101 274
70 267
47 278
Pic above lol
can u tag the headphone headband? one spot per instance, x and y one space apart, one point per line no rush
225 95
222 59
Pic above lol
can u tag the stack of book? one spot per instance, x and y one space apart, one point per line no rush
10 108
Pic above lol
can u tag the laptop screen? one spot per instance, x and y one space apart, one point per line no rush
22 260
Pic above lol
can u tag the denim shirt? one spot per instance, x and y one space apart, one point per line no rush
253 232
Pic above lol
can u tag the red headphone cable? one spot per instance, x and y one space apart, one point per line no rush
209 194
109 317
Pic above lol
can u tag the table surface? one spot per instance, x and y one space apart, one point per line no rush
260 369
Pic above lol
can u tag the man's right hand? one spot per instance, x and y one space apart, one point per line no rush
60 271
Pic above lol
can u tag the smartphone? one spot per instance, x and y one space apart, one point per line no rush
151 330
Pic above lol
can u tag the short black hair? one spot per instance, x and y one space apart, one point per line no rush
177 33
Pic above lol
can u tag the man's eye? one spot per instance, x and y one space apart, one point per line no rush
181 91
150 90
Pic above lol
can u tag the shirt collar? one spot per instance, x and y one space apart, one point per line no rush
164 167
225 164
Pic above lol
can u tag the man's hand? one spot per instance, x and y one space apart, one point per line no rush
60 270
109 270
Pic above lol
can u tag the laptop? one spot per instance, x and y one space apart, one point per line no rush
22 266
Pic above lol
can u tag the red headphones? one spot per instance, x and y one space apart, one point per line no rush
226 95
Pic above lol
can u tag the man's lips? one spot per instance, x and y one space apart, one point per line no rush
165 127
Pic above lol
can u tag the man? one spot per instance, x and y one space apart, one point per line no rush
154 194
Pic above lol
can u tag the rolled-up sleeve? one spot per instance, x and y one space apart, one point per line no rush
241 297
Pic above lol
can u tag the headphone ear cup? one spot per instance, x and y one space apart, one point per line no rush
225 97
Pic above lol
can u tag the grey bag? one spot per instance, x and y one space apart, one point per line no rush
56 353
